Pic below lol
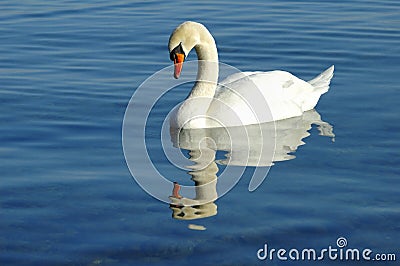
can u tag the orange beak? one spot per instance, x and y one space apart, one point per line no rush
178 63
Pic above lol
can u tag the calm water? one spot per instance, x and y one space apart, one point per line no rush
68 70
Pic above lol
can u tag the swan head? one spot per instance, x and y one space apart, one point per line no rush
183 39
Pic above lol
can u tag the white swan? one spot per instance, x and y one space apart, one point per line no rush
241 99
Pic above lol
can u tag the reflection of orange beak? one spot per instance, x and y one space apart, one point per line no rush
178 63
175 191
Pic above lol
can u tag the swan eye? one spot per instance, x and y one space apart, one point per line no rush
177 50
172 56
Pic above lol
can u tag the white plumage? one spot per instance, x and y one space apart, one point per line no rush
243 98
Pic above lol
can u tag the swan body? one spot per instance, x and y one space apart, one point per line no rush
244 98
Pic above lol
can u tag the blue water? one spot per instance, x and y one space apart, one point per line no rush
68 70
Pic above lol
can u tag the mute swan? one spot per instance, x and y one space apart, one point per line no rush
241 99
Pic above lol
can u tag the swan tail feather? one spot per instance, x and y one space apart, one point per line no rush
322 81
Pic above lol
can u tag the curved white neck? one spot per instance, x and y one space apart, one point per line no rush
207 71
193 110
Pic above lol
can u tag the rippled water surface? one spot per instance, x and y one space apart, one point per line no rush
68 70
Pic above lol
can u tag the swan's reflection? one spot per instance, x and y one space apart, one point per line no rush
263 145
204 175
